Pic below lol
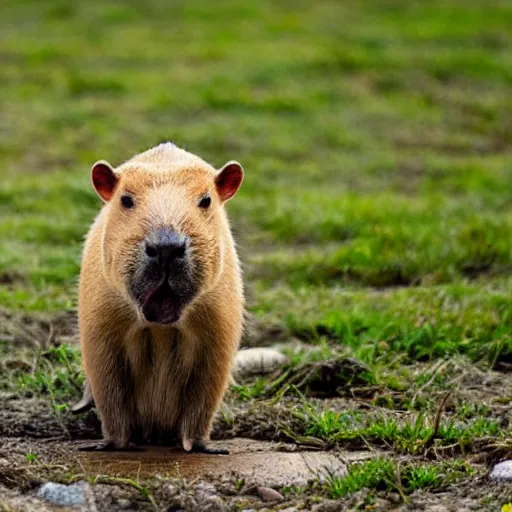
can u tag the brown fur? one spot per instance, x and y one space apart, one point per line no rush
148 379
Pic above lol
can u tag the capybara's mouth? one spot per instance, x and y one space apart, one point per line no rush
162 305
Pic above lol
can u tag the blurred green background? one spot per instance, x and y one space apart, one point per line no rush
376 138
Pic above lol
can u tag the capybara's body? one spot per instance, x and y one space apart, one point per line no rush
161 297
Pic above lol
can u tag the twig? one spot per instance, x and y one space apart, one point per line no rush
439 413
437 418
398 485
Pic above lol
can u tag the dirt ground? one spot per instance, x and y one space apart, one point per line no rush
41 443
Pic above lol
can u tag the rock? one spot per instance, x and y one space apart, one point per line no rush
204 490
63 495
207 497
123 504
502 471
172 490
213 504
257 361
327 506
254 463
269 494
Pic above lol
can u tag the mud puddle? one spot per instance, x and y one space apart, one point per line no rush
260 463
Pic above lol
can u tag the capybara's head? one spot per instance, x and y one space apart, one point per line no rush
165 228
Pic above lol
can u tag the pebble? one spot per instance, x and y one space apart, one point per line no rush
268 494
172 490
213 504
502 471
327 506
208 499
258 361
205 490
62 495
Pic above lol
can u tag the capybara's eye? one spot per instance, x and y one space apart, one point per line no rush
205 202
127 201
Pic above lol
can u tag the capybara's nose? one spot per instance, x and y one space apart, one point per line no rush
164 245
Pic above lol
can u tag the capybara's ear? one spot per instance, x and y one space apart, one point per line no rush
104 179
228 180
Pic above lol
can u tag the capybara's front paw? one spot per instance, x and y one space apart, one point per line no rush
110 446
201 447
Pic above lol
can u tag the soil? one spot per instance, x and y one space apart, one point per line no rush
39 443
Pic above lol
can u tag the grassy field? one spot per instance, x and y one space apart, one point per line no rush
374 223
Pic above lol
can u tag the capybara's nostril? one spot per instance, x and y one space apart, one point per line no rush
151 251
165 245
179 250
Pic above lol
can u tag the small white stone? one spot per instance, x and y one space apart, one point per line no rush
62 495
502 471
258 361
172 490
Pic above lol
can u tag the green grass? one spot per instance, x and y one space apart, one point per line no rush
375 218
385 474
374 138
56 374
423 323
412 435
31 457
